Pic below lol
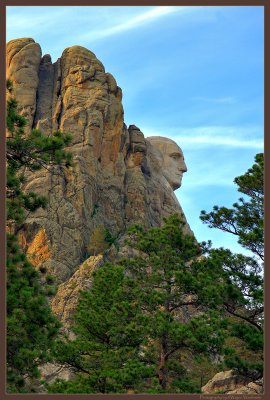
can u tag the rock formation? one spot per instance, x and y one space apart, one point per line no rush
64 303
226 382
118 177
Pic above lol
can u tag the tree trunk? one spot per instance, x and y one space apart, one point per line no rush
162 370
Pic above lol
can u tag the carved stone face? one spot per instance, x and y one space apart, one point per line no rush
173 165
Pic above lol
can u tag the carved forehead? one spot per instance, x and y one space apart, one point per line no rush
165 145
172 148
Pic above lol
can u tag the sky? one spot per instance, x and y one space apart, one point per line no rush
193 74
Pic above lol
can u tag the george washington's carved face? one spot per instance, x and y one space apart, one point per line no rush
173 165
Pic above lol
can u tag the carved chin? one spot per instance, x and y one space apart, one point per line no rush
175 185
173 180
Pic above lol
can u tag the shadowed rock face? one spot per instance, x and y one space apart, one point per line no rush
118 178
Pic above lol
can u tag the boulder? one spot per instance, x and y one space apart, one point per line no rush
229 383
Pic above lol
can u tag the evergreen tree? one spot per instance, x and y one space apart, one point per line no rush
109 328
133 327
232 283
237 279
246 219
31 327
167 291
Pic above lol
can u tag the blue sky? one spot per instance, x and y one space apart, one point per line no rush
194 74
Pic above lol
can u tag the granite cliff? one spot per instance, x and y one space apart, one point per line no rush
118 177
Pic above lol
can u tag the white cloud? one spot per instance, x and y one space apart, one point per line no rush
232 136
146 17
37 19
88 25
215 100
220 141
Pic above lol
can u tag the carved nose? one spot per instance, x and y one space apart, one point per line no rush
183 167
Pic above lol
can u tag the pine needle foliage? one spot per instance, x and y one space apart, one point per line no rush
134 325
239 278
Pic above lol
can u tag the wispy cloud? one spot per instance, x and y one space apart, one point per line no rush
143 18
17 23
232 136
215 100
194 185
220 141
37 19
214 171
190 182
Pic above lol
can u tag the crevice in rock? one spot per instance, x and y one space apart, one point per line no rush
58 83
58 119
44 94
34 124
84 131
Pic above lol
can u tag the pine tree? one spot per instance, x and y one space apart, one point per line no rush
232 284
31 327
246 219
109 328
167 291
131 329
238 278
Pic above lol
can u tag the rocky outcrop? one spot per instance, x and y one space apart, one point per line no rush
64 303
226 382
23 62
251 388
117 175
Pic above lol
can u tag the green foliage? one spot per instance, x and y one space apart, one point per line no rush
245 219
95 210
109 330
31 327
231 281
50 279
109 237
251 183
237 279
129 328
202 370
